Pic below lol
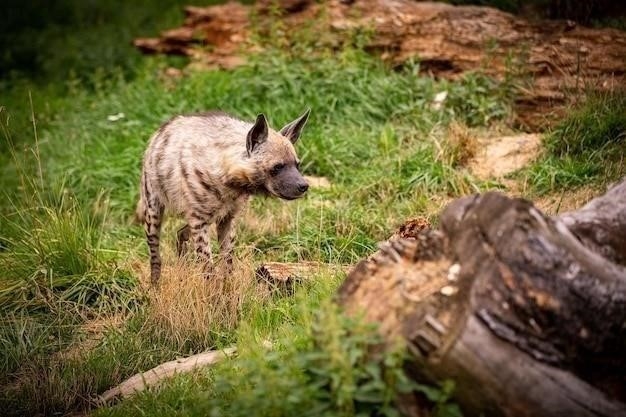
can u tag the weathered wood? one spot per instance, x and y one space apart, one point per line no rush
494 379
510 304
143 380
282 276
601 224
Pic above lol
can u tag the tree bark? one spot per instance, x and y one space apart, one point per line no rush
526 313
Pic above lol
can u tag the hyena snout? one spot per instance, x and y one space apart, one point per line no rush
303 187
290 185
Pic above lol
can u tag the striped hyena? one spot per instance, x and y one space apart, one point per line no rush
205 167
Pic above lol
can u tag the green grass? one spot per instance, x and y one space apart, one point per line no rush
57 259
357 104
585 148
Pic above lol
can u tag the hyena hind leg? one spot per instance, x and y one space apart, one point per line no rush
182 237
152 226
225 239
199 229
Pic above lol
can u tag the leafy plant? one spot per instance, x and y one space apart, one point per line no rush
339 369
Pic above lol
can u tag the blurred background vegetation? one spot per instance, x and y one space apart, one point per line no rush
53 40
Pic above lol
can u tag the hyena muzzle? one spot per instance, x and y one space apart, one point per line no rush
205 167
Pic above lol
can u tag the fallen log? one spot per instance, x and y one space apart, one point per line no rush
526 313
282 276
143 380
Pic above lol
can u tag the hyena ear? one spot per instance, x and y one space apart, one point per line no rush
257 134
293 129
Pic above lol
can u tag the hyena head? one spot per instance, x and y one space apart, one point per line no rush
275 158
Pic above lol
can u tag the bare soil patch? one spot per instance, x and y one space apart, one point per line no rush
503 155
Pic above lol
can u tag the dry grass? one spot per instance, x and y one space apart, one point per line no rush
460 145
187 312
553 204
274 218
189 306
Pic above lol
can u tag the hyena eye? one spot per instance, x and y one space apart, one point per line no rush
276 169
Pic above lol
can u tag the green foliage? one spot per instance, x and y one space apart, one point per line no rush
478 100
599 125
586 147
55 260
334 377
336 369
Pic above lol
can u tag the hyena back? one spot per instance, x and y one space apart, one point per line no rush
205 167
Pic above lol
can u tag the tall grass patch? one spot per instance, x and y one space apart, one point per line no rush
55 259
192 312
587 147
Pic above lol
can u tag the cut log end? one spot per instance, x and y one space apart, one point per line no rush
527 319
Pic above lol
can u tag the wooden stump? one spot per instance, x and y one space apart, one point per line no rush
526 313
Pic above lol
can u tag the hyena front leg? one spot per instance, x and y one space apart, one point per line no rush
199 229
152 227
225 239
182 237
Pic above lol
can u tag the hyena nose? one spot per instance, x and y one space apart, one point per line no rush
303 187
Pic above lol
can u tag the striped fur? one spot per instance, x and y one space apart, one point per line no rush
205 167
